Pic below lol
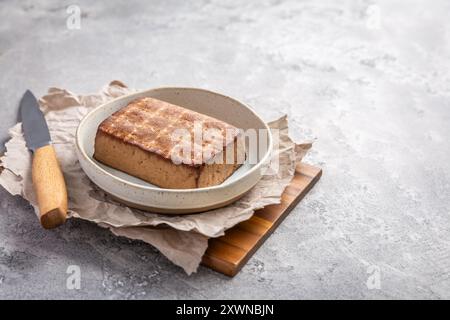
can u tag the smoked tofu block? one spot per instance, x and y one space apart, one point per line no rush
159 142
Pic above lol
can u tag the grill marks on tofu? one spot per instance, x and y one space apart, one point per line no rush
149 124
137 140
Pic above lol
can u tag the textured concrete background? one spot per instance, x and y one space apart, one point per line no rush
369 79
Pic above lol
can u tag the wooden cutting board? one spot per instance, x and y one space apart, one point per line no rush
229 253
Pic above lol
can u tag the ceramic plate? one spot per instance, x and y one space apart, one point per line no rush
137 193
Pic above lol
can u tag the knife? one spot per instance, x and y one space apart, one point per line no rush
48 180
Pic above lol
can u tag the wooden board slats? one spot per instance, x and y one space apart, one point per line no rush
229 253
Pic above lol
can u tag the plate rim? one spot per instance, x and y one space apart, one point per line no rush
83 153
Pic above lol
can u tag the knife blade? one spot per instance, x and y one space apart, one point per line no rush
48 181
34 126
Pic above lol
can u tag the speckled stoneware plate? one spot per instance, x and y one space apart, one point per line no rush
137 193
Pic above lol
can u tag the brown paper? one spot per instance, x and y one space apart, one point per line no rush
185 238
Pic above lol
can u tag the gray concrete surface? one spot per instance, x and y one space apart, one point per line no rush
369 80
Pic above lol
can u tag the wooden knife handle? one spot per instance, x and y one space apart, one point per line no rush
49 187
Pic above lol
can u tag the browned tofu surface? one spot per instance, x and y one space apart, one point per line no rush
137 140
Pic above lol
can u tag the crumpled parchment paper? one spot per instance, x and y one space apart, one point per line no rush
182 239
